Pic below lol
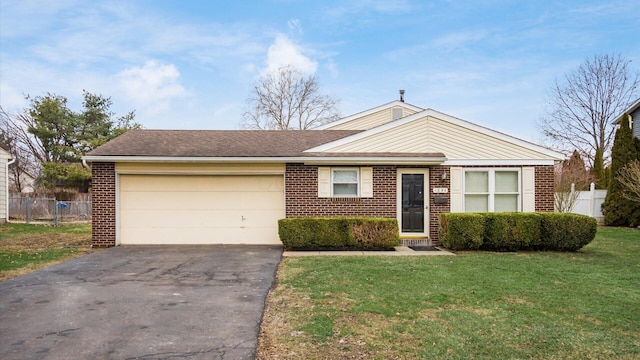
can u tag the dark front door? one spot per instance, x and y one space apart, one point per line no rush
412 203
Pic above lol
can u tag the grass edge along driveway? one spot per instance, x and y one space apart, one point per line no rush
26 248
581 305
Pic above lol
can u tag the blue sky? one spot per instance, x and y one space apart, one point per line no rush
191 64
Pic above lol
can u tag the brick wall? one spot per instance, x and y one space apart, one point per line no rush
302 195
436 181
103 180
544 188
301 187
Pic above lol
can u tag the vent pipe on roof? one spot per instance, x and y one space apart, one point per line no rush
402 95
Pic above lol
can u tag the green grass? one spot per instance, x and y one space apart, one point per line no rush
25 248
476 305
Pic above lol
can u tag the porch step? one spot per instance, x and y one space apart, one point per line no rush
416 242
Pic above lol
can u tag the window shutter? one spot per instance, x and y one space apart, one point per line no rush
324 182
528 189
366 182
457 195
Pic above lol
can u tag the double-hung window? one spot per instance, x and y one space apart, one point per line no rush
492 190
344 182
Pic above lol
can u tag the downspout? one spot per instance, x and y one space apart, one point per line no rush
7 188
87 166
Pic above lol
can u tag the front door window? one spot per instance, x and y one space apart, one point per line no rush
412 203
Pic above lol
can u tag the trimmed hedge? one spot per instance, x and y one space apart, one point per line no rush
567 232
461 231
516 231
511 231
338 233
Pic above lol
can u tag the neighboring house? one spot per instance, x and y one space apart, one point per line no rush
27 182
231 186
5 161
634 118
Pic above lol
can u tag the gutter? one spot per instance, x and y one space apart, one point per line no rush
7 188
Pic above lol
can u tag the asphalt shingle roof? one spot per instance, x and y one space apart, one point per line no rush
218 143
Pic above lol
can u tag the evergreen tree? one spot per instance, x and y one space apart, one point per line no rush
598 172
617 210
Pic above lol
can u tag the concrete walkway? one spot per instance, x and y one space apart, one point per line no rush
399 251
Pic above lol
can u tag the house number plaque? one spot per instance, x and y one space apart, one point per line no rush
440 190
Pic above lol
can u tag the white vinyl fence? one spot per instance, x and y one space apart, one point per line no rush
590 203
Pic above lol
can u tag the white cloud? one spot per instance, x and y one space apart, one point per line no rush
12 99
152 86
284 52
333 68
295 27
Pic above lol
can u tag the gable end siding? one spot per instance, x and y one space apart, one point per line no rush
103 212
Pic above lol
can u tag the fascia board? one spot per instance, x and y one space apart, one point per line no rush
499 162
369 112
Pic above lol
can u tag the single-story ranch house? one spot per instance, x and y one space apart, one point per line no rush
231 186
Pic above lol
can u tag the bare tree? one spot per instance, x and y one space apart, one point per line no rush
286 99
569 177
23 147
629 178
583 105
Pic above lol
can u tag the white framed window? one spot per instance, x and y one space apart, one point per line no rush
492 190
345 182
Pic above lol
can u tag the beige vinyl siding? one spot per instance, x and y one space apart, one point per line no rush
457 142
410 137
372 120
175 209
430 134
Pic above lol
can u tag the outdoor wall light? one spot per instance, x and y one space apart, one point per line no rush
444 176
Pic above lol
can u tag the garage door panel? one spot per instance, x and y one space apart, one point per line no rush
169 236
167 209
197 218
201 200
157 183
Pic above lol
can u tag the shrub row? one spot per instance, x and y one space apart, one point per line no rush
516 231
338 233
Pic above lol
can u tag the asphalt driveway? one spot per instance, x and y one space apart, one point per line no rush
140 302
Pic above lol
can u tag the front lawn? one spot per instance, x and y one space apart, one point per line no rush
25 248
583 305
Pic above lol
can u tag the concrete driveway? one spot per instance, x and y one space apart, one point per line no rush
142 302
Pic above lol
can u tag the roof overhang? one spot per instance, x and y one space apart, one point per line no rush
311 160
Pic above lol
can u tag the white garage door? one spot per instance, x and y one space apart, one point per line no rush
168 209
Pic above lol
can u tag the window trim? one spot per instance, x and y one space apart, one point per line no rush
492 187
357 182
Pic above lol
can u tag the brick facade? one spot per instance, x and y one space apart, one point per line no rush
301 195
436 181
103 212
544 188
